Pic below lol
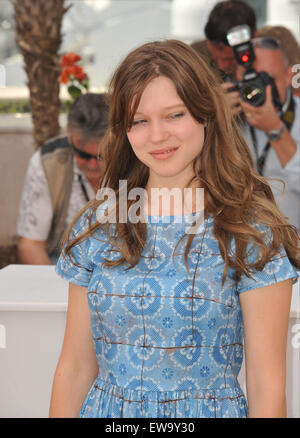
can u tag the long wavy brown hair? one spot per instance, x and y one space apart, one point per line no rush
235 195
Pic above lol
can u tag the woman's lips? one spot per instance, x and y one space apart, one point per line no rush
163 154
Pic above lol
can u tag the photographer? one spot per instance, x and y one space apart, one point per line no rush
290 45
224 16
215 48
273 136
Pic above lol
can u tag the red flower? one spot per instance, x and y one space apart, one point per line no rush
73 76
77 72
69 59
81 76
64 77
74 70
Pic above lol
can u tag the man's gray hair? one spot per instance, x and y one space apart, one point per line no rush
89 115
270 43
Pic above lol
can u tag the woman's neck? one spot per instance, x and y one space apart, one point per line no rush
173 201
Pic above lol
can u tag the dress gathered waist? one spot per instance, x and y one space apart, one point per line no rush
138 395
116 401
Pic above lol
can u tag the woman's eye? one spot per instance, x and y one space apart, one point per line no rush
138 122
177 115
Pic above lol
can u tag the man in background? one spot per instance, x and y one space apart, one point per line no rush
273 134
62 176
273 138
215 48
224 16
291 47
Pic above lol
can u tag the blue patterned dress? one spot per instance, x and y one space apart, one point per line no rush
169 342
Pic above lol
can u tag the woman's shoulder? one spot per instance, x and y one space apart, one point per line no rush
85 221
257 232
85 243
82 222
89 231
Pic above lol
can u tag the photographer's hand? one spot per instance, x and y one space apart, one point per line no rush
263 117
233 98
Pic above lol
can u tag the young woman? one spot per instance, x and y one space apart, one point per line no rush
157 314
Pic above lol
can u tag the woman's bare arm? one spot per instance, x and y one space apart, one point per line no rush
77 366
266 318
33 252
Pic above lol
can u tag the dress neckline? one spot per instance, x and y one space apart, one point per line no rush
183 219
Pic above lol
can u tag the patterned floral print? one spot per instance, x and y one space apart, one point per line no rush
169 342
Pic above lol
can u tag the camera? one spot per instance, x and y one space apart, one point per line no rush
252 88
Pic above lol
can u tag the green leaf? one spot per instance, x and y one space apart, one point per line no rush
74 92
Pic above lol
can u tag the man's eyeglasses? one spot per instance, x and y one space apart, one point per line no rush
85 155
271 44
266 43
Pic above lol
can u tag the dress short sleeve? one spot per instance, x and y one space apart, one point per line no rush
276 270
78 268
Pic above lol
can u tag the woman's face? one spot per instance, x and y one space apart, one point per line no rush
165 136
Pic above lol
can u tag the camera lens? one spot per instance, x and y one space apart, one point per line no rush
253 94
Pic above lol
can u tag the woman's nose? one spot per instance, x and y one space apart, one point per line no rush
158 132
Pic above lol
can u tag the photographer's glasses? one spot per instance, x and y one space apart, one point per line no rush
266 43
84 155
271 44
